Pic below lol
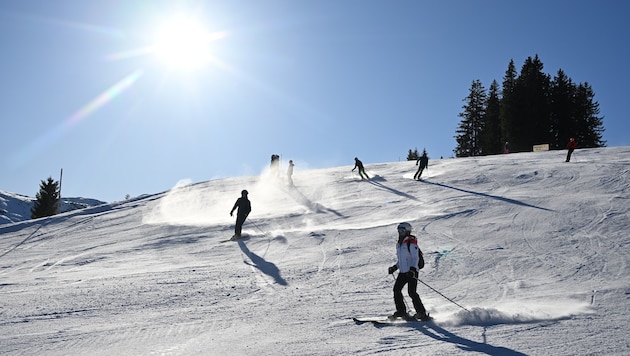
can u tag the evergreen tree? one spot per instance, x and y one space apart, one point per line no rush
588 126
530 120
424 153
532 109
562 105
490 140
472 124
413 155
508 100
47 203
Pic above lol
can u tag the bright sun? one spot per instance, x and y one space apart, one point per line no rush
183 43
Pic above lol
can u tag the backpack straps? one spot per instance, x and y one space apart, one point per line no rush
409 240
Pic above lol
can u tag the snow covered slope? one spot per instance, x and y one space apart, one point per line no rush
534 248
14 207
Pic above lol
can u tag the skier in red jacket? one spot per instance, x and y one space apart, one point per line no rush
572 145
407 265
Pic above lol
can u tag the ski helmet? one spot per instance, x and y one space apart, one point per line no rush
405 226
244 192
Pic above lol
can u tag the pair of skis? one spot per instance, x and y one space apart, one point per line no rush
389 320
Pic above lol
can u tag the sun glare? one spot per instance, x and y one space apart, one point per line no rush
183 43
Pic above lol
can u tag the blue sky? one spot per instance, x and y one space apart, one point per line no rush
319 82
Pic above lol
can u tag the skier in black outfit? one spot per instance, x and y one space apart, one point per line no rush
244 208
275 165
422 163
358 164
408 255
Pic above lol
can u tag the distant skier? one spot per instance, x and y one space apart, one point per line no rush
407 252
422 163
244 208
506 149
275 165
571 146
358 164
290 172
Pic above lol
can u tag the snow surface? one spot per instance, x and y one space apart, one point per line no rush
534 248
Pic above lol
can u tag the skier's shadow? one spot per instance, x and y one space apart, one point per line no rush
507 200
265 267
440 334
376 181
316 207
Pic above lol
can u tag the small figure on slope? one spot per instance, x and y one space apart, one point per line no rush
275 165
408 254
290 173
358 164
571 146
422 163
244 208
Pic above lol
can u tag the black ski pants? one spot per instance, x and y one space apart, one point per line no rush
419 172
412 284
240 219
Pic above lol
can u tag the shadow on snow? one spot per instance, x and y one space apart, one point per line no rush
376 181
265 267
316 207
440 334
507 200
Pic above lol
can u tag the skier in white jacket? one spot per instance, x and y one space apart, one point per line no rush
408 255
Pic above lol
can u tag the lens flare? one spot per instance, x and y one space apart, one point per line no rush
40 144
107 96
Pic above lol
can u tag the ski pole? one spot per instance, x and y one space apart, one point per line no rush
447 298
255 225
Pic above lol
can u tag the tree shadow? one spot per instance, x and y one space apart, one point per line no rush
376 181
507 200
265 267
438 333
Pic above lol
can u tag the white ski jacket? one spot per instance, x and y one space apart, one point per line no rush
407 253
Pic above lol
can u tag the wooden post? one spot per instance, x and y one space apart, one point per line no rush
59 198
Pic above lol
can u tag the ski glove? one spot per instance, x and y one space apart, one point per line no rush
413 273
392 269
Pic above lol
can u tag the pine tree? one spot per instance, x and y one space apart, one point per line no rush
413 155
508 100
424 153
562 105
532 109
47 202
531 115
490 140
472 124
588 126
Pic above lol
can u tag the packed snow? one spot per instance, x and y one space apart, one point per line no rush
529 255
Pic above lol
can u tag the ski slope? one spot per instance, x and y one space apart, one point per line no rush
535 250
